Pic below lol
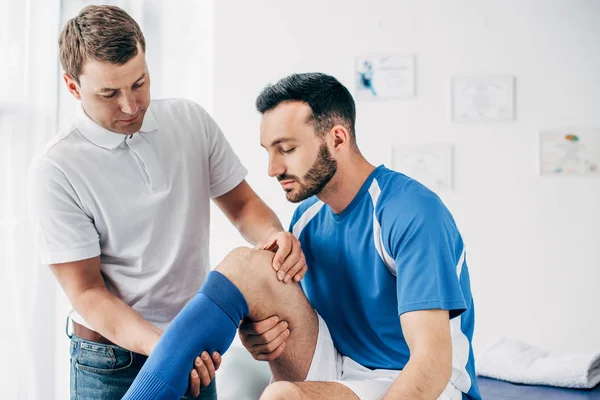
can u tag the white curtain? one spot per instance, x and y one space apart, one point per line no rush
28 107
34 105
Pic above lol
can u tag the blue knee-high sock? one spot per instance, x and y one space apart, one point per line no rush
208 322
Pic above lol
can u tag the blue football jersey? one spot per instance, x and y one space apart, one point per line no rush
394 249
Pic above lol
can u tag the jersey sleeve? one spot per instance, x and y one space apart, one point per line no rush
65 231
428 254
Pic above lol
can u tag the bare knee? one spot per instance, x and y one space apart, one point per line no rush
243 258
251 271
236 259
282 391
247 267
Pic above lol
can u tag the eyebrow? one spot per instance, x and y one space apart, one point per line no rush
114 90
280 140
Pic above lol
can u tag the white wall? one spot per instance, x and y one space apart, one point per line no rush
533 242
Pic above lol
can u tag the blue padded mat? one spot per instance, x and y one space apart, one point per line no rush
492 389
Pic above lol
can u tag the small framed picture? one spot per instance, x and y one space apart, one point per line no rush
570 152
486 99
390 76
431 165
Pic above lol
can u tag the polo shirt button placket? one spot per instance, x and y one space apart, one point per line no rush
145 157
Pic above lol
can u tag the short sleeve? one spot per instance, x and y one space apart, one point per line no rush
428 253
65 232
226 169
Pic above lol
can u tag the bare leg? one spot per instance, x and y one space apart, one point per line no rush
308 391
251 272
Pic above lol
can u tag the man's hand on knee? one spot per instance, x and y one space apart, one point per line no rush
289 261
265 339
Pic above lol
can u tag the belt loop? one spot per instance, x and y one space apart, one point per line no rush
70 335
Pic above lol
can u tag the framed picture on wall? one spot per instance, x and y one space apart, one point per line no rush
570 152
430 164
385 76
485 99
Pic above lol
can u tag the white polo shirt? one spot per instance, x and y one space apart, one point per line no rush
141 202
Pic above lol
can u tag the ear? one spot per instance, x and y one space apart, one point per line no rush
72 86
340 137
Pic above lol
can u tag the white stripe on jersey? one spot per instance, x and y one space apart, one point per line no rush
375 191
460 344
305 218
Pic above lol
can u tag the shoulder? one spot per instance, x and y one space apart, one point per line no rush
181 108
57 153
48 182
185 116
403 198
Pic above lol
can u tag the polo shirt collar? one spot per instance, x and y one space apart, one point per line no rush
103 137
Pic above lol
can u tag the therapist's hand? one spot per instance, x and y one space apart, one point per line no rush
289 261
203 373
265 339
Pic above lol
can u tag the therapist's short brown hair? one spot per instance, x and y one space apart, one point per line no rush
101 33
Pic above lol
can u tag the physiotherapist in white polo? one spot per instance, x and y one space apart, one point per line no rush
121 201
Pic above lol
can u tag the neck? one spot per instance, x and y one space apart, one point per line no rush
345 184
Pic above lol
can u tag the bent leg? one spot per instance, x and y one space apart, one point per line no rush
251 272
243 285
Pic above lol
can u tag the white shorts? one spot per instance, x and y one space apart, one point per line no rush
328 365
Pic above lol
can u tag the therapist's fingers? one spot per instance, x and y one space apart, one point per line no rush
250 327
301 274
267 337
216 357
294 256
271 356
272 345
210 366
296 269
285 242
202 371
271 246
194 387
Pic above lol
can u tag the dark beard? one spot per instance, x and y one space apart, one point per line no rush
317 177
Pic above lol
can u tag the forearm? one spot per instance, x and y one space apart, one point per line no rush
421 379
257 222
117 321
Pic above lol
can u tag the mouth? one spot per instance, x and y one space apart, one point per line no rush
128 121
286 183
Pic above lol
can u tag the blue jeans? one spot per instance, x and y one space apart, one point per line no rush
105 372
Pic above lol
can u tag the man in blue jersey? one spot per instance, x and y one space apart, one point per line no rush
387 269
390 315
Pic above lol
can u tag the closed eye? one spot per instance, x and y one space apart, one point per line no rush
114 94
138 85
288 151
109 96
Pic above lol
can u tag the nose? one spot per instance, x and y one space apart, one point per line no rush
129 104
275 167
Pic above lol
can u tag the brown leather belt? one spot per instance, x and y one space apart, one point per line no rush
88 334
